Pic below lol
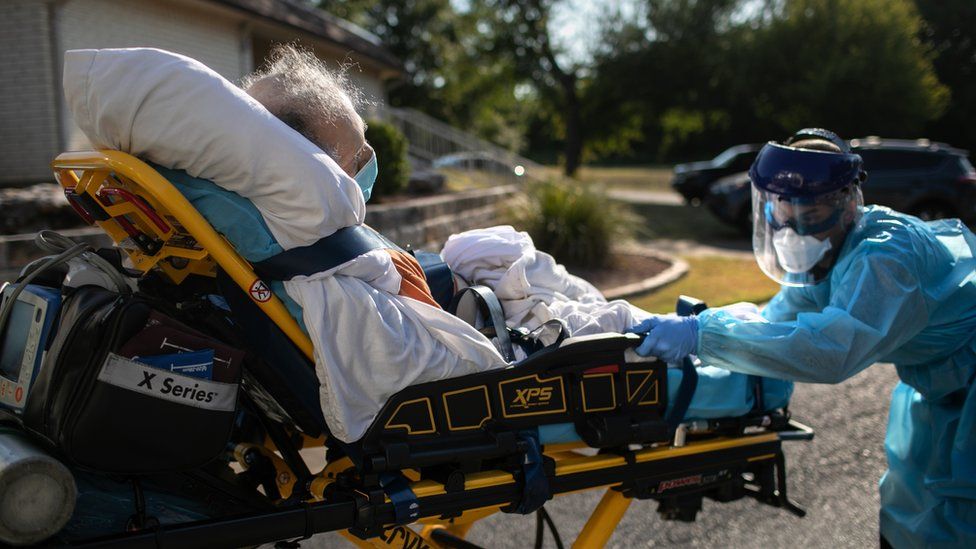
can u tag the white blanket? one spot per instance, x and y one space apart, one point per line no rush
531 286
369 342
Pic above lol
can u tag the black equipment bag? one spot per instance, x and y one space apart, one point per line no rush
116 394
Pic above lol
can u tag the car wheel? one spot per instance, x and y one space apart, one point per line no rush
744 222
933 209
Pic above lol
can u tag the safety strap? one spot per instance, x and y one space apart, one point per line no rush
491 311
759 395
686 306
439 276
535 483
550 332
406 507
339 247
686 390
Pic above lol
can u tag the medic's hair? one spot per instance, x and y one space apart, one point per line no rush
299 89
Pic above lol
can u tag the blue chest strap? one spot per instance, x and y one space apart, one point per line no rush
440 278
345 245
339 247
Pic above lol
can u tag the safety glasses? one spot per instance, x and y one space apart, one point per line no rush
798 225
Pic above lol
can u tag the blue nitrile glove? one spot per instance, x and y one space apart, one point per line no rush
669 337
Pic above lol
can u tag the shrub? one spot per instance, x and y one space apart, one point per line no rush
391 154
575 223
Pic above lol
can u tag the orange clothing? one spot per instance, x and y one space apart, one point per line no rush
414 283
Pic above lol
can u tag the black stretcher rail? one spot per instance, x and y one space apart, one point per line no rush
238 531
297 522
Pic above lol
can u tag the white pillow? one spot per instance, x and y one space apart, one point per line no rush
176 112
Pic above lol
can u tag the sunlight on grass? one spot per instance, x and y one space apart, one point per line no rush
716 280
648 178
465 180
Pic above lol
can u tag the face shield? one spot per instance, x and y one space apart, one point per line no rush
803 202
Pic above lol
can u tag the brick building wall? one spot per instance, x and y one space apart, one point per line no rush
29 135
34 123
216 39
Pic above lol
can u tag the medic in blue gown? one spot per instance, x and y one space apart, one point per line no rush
860 285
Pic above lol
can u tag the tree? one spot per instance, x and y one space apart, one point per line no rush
710 74
523 35
948 29
451 70
854 66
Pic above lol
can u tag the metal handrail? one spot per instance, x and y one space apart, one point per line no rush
430 139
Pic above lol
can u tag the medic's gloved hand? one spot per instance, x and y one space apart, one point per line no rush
669 337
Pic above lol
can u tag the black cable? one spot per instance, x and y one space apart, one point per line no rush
552 528
543 516
539 532
8 304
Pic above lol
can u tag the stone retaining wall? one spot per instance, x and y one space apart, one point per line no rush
423 223
427 222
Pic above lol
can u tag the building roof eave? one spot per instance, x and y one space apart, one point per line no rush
322 25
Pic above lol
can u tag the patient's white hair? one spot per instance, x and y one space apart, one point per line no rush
299 89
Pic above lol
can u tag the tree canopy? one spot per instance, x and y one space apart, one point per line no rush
684 78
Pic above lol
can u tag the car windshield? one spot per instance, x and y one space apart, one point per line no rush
727 155
966 166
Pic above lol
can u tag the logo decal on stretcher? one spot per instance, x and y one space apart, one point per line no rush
406 538
259 291
532 395
529 398
665 485
161 384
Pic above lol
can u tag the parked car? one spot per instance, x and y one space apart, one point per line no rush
479 161
922 178
692 180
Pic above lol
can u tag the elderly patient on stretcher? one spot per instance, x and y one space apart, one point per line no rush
284 163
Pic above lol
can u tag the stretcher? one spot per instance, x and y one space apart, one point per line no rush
439 457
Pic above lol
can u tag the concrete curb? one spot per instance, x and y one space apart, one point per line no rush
678 269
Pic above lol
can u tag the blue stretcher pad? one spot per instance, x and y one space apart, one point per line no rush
719 394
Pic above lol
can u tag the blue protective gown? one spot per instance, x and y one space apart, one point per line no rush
902 291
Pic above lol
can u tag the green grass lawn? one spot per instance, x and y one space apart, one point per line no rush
649 178
719 280
714 279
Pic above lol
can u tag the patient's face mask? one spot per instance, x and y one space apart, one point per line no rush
366 175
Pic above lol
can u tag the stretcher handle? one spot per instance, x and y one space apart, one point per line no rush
586 349
796 431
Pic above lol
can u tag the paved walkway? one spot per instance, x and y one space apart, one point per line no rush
636 196
741 248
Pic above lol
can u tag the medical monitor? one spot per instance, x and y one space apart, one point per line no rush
24 340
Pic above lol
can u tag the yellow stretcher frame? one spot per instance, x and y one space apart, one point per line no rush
106 169
188 244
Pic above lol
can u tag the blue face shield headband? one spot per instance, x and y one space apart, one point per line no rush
367 176
802 173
